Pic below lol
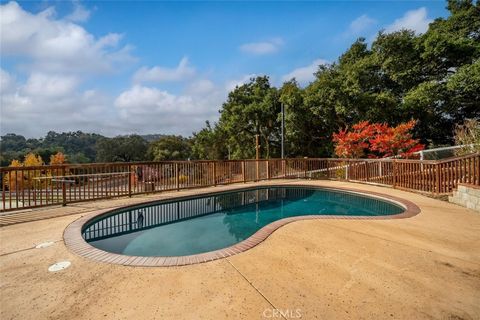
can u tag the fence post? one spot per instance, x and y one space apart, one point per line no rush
394 174
268 170
244 176
366 171
437 178
3 190
305 168
347 167
64 188
177 177
284 168
215 173
328 169
130 180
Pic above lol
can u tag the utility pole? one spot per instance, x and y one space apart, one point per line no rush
257 146
283 130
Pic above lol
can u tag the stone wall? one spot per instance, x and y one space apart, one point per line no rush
467 195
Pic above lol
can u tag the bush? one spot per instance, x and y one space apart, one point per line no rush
468 135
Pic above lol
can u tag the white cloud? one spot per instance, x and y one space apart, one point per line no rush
183 71
262 48
46 89
305 74
201 86
79 13
149 109
50 95
7 82
52 102
415 20
109 40
231 84
57 45
41 84
360 24
55 56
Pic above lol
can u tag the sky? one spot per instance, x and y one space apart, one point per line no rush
120 67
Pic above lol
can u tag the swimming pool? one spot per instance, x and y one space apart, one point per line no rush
209 223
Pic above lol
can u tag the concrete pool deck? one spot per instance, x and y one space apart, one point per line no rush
426 266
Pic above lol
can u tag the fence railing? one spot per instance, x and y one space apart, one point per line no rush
29 187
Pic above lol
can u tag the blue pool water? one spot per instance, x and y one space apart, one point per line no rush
206 223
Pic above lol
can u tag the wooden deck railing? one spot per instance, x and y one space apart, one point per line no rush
29 187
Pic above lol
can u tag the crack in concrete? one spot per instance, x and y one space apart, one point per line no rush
255 288
26 249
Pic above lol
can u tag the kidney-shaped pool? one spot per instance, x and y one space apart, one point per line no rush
206 223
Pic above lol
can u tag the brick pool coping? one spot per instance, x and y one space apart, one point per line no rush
74 241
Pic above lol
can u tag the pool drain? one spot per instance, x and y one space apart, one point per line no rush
59 266
44 244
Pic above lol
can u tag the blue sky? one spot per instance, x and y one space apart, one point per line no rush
117 67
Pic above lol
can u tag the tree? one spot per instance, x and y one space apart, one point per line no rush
32 159
121 149
48 152
376 140
427 103
73 142
395 141
463 88
79 157
251 109
452 42
170 148
13 142
34 179
398 59
13 179
17 180
468 135
58 158
77 146
307 121
209 143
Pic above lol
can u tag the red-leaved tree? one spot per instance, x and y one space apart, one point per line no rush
376 140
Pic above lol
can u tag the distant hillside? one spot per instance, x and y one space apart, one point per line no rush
78 146
147 137
152 137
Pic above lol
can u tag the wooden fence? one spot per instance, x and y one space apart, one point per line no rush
29 187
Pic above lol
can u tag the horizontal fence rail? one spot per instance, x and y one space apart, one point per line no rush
30 187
